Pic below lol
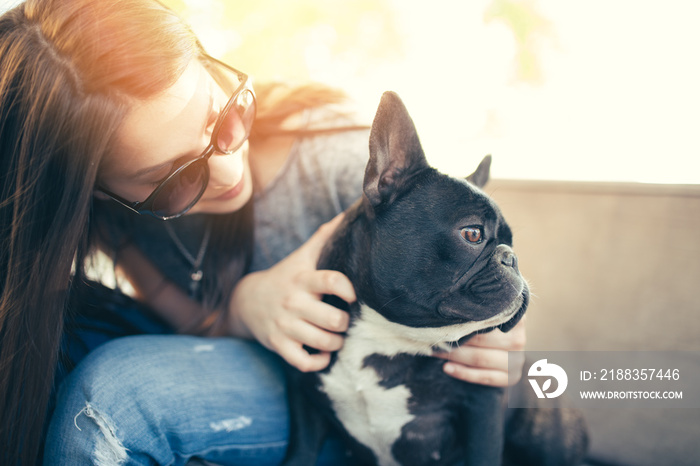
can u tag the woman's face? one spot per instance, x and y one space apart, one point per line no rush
160 134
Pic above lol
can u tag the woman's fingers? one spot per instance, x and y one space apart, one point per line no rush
310 335
514 340
313 322
295 354
320 282
482 366
325 316
282 306
478 357
487 358
493 378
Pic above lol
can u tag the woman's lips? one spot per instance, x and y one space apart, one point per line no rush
233 192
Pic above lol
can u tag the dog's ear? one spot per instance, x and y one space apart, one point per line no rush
481 175
395 152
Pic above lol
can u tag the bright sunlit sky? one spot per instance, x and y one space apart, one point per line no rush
553 89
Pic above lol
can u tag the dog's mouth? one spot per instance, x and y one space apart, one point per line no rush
512 312
515 317
504 320
509 318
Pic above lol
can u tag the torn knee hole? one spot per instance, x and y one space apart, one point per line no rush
109 450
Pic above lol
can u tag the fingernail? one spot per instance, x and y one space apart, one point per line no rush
449 368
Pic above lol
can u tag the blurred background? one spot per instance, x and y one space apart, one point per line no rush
598 90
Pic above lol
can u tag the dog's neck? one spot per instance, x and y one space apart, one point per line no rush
377 335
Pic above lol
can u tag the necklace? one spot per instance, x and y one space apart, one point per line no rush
196 273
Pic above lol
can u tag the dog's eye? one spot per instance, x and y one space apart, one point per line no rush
472 234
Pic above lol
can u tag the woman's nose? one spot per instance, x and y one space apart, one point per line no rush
226 169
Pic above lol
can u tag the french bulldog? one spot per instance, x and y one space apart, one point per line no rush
431 261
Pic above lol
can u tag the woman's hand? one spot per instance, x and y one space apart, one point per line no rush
483 359
281 307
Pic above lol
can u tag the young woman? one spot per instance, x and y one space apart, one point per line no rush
119 133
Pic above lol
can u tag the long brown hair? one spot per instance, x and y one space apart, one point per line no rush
69 70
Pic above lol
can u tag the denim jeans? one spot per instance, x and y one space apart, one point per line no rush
166 399
163 399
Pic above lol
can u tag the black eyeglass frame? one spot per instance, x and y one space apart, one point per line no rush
146 206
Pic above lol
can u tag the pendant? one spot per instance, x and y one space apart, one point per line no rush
196 277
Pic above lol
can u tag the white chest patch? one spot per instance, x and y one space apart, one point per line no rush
372 414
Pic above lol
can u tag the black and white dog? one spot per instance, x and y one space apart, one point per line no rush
431 261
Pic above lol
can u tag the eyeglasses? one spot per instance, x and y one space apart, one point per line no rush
181 190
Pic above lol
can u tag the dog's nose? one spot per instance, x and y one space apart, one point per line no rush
508 259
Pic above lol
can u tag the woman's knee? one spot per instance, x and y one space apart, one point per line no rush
192 391
172 366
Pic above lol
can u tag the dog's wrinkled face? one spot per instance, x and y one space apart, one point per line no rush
439 250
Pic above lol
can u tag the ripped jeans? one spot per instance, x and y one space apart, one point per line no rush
167 399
